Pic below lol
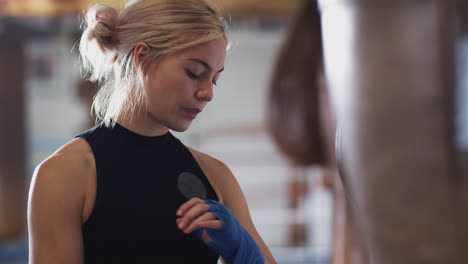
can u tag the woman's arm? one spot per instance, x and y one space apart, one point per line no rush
233 198
55 206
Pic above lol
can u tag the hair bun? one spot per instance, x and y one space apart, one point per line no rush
101 22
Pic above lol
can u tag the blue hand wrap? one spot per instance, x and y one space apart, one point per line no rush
232 241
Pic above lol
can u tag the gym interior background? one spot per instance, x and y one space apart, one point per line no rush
50 103
44 103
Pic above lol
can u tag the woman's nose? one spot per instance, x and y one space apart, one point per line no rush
205 91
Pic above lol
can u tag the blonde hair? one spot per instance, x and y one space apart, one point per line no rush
110 37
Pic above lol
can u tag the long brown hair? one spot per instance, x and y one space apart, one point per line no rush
294 116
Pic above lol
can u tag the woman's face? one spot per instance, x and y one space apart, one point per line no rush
181 84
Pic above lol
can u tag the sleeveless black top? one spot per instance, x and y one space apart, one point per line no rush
137 195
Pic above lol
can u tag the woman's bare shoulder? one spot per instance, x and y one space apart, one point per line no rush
68 167
56 200
218 173
209 161
74 155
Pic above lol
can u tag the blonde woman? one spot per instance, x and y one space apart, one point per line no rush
127 190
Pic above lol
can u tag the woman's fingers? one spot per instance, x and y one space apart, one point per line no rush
210 224
187 205
205 237
193 213
214 224
195 223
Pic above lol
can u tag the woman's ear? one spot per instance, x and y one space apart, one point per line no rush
140 53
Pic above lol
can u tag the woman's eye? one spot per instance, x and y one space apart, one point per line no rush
192 75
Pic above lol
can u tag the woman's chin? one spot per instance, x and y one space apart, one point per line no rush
181 127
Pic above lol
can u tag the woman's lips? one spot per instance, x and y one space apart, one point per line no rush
191 112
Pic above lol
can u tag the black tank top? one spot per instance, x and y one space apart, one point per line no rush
137 195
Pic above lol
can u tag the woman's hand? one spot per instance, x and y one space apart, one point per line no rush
220 230
194 216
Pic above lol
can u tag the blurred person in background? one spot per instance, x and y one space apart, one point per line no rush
127 190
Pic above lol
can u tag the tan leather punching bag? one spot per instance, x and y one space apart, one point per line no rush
394 72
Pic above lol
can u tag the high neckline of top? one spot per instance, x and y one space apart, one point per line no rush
121 130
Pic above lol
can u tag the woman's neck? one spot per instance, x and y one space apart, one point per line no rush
143 124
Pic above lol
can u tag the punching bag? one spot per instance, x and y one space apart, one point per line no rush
394 74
